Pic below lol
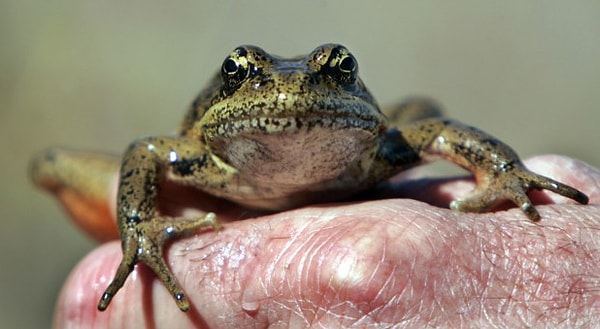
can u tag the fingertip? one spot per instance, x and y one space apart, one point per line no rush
77 303
141 302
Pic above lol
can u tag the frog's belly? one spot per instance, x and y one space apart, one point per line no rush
286 171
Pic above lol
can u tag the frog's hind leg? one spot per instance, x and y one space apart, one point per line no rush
412 109
83 182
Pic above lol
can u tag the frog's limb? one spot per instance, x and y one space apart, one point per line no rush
146 245
499 173
82 182
413 109
143 230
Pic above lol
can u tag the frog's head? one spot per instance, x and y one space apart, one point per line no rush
286 109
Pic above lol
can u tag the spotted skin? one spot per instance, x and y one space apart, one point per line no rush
275 134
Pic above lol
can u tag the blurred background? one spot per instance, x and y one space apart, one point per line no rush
97 74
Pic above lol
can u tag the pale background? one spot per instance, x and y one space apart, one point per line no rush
97 74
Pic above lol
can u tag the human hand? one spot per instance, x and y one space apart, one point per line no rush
394 262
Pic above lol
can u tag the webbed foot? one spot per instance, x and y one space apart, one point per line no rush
144 243
513 184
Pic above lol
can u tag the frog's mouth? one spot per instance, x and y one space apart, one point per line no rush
258 121
269 125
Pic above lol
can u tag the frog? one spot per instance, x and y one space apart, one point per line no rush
274 134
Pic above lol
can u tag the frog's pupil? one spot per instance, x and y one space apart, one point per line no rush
230 66
347 64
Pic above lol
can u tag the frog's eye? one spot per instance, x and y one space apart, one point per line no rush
342 66
235 68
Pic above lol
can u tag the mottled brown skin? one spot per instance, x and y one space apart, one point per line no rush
275 134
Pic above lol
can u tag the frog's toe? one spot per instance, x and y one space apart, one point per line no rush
545 183
150 251
513 186
476 201
123 271
156 263
145 248
482 199
143 243
520 198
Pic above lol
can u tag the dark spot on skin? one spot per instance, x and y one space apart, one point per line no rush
396 151
133 219
506 167
50 156
188 166
127 174
241 51
491 142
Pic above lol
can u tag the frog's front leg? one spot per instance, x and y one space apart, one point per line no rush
499 173
143 230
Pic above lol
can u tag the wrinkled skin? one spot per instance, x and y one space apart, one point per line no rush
393 262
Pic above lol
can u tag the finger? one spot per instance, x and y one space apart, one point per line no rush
337 266
262 270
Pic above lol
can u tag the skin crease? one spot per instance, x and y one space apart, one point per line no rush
394 262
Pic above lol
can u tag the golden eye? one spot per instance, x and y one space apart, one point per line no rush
235 68
230 66
341 65
348 64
